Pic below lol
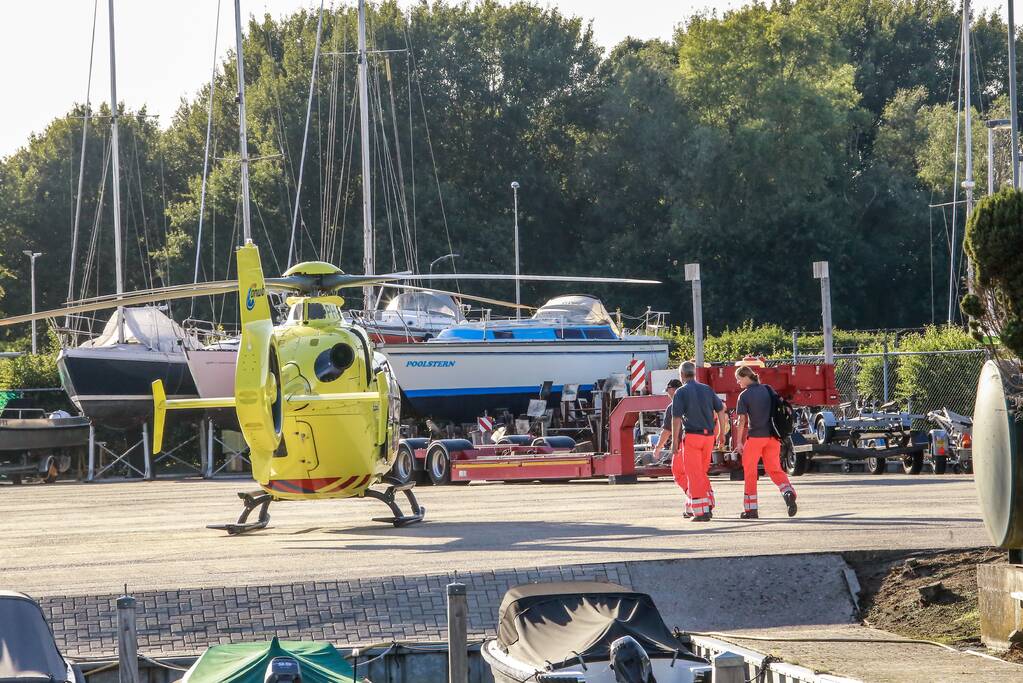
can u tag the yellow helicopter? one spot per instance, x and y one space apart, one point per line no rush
302 388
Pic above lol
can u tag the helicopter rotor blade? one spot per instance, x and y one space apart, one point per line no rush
457 295
541 278
345 281
131 299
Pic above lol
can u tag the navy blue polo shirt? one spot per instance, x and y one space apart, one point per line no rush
755 402
695 404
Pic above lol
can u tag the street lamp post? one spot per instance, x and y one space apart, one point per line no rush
518 302
32 256
438 260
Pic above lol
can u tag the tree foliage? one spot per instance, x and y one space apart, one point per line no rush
754 143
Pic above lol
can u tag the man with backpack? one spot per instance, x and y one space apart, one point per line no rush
763 417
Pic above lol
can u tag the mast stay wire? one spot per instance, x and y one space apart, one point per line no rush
205 162
305 135
953 252
81 163
433 157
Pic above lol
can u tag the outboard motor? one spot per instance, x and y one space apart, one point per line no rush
630 662
283 670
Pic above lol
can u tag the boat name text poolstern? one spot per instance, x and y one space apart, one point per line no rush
429 364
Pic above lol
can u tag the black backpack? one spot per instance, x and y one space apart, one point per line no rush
783 415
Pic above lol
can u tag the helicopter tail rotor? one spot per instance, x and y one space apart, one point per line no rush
260 405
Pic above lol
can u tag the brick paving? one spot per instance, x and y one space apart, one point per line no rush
345 612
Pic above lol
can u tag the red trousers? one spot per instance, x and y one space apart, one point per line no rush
689 468
767 448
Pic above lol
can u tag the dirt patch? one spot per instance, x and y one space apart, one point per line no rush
928 595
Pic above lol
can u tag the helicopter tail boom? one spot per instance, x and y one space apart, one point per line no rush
161 405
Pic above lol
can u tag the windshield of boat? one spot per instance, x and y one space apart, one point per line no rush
430 302
574 309
27 650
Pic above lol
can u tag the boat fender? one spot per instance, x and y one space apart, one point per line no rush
561 443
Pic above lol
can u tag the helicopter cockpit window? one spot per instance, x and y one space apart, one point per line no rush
315 311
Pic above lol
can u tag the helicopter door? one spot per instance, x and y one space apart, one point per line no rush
303 447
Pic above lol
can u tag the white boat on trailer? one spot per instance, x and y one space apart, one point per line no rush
478 368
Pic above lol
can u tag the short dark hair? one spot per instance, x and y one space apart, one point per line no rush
673 383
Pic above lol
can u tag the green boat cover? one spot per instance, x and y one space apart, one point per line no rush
247 662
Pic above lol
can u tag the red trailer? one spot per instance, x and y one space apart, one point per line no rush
555 458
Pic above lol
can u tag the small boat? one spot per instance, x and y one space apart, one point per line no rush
477 368
273 662
413 317
109 378
31 442
583 631
28 651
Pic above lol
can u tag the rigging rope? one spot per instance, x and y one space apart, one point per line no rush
206 161
81 163
305 135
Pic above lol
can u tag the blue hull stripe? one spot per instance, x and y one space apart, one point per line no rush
481 391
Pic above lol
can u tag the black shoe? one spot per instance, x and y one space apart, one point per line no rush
790 500
750 514
687 514
702 518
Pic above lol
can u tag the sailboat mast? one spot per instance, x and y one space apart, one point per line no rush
367 215
243 144
968 183
118 250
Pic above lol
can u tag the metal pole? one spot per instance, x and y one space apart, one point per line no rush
243 138
118 250
518 299
146 457
884 369
208 473
795 347
127 641
91 474
821 272
693 275
458 637
968 183
368 246
206 156
1013 114
990 160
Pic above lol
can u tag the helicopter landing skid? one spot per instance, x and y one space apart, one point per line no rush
251 501
387 498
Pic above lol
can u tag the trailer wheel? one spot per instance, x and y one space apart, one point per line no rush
912 464
438 465
15 479
822 432
967 467
940 464
794 463
404 465
877 465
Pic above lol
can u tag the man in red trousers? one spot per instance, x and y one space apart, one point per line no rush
693 409
755 408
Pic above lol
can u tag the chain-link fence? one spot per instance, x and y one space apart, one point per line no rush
919 381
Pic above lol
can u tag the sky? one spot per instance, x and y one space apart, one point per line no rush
165 48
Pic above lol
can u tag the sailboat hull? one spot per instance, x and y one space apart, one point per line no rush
460 381
113 385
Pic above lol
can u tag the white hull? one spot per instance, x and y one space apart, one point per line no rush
213 371
460 380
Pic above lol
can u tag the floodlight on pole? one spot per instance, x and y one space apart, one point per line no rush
438 260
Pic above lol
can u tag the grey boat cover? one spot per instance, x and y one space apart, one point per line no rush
27 649
551 625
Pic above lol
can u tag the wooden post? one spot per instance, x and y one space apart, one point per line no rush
127 640
458 637
729 668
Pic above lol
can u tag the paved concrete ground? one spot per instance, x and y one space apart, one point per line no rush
76 539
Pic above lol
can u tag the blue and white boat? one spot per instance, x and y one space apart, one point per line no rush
477 368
